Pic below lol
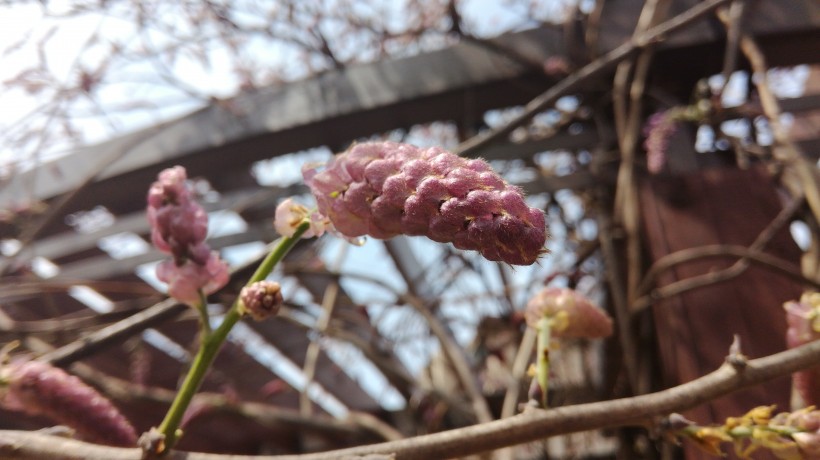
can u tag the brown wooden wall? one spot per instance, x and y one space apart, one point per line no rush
695 329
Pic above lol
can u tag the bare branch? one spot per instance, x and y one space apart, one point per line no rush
593 70
529 426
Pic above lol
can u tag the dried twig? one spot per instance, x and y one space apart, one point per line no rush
121 330
590 71
455 355
734 29
628 100
668 261
519 369
267 414
785 150
719 250
312 354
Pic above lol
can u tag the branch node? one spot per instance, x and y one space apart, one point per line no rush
736 358
152 442
666 427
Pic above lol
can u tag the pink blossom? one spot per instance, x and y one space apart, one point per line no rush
803 320
289 214
170 188
187 280
179 226
384 189
808 421
578 316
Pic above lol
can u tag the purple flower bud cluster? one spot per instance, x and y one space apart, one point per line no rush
579 316
39 388
658 130
803 320
384 189
179 226
808 439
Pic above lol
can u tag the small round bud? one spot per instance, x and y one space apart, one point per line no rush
290 214
575 315
261 299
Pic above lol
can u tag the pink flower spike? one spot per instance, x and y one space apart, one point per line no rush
179 226
580 317
384 189
39 388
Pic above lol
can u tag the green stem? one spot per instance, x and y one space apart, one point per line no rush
542 350
211 343
204 319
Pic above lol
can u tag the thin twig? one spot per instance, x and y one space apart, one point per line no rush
152 316
734 30
614 278
455 355
590 71
267 414
773 263
313 349
628 103
668 261
785 150
519 369
117 332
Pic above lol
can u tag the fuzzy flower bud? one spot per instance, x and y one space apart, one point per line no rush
289 214
808 421
803 320
659 129
179 226
384 189
178 223
169 188
261 299
577 314
41 389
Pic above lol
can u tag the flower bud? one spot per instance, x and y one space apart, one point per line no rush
803 320
576 315
659 129
39 388
169 188
261 299
289 214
